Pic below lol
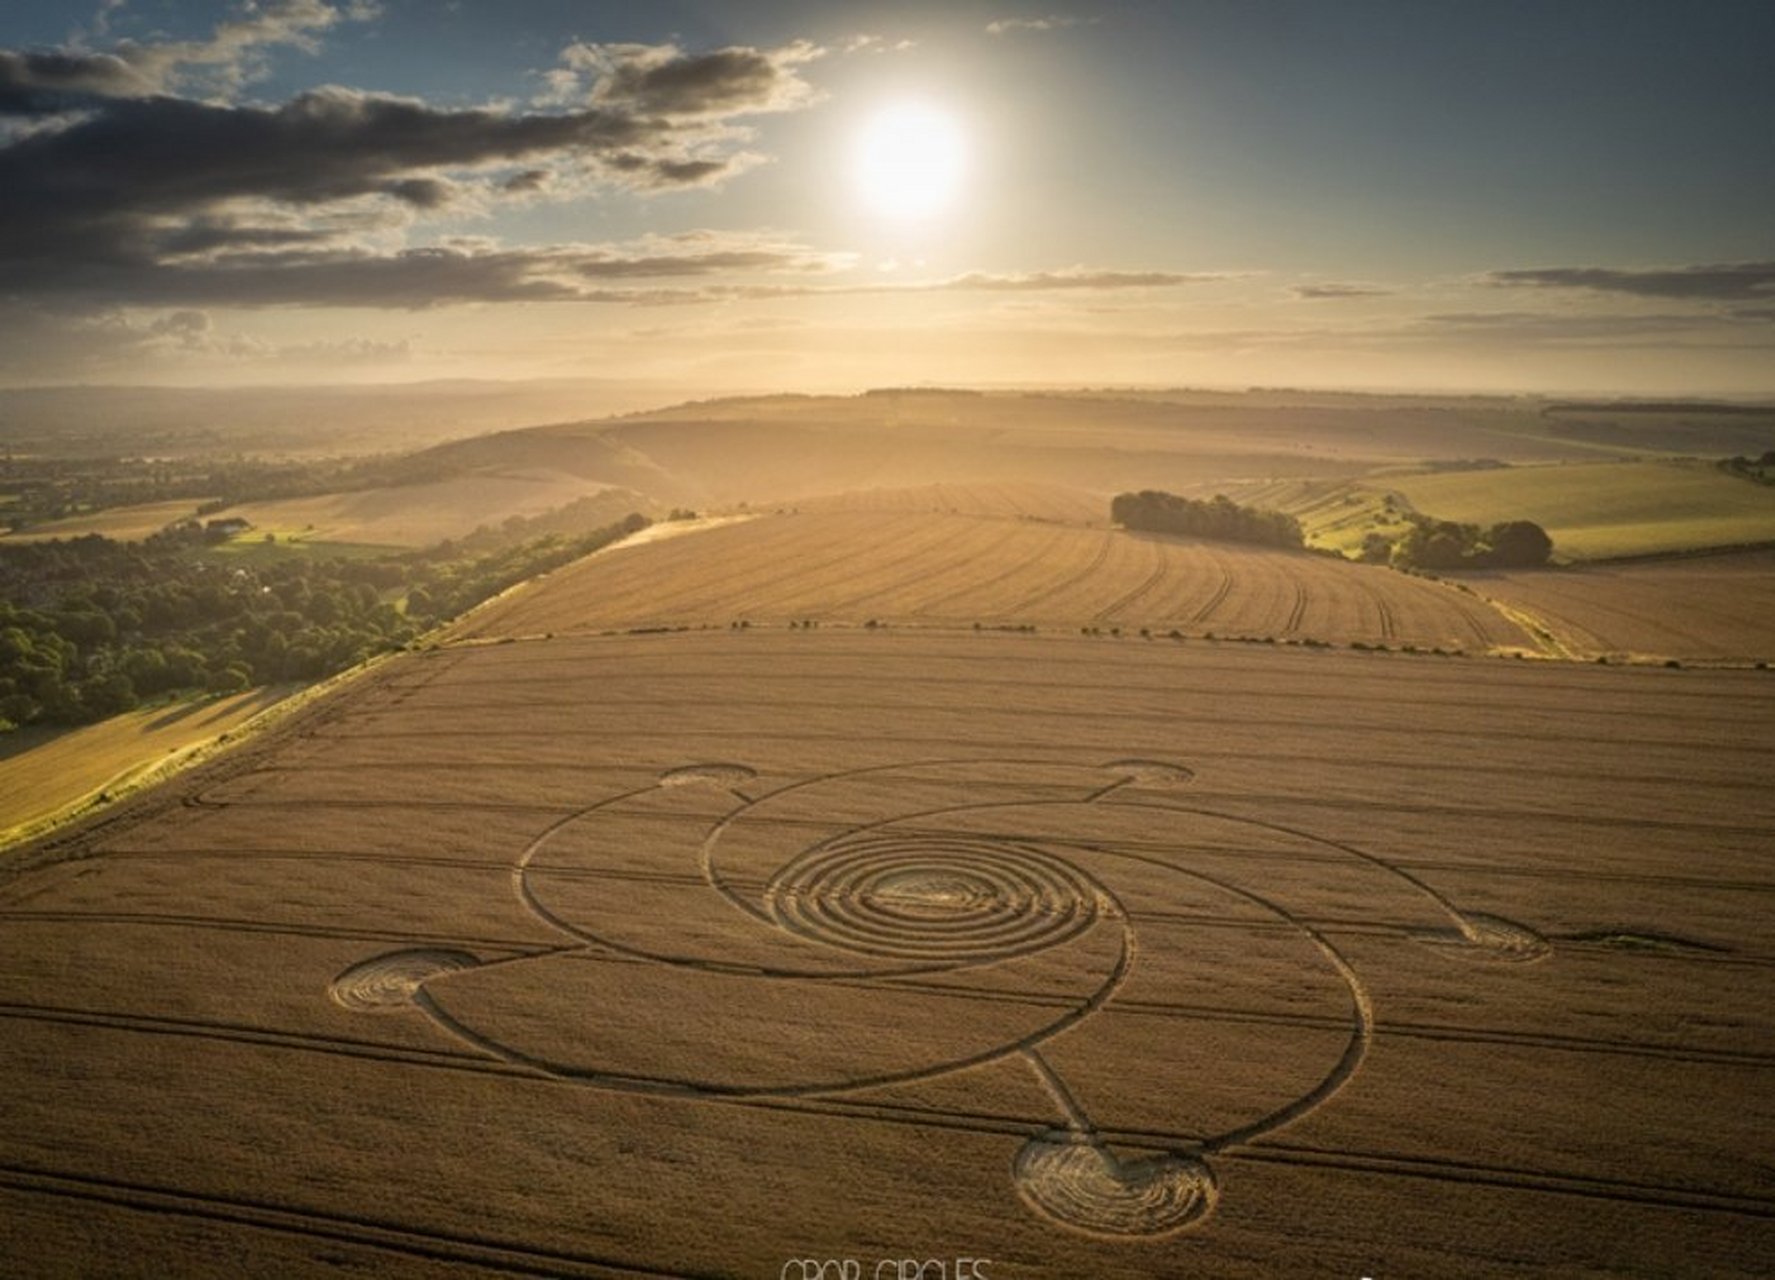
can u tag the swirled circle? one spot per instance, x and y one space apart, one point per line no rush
941 898
1081 1183
388 983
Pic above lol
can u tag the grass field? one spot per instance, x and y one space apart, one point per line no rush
122 524
43 771
1085 956
1601 510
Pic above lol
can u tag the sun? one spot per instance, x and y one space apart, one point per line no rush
909 161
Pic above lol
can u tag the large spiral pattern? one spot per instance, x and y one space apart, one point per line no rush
932 898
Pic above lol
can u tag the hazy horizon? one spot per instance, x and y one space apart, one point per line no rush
791 197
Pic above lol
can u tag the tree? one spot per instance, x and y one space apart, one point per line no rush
1518 543
107 695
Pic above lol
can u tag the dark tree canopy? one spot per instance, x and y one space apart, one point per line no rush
1443 544
1219 518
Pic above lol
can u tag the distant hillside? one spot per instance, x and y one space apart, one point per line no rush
774 449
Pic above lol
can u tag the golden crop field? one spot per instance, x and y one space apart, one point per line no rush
910 566
1714 608
690 954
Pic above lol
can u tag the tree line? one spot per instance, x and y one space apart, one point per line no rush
1443 544
1219 518
90 627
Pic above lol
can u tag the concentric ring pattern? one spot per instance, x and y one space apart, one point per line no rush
936 898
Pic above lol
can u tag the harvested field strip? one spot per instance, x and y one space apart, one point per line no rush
1704 608
1221 591
1200 667
1071 579
975 597
917 567
1139 590
1742 709
1009 739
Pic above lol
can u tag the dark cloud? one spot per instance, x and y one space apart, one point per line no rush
37 82
42 83
1331 290
1713 282
435 275
664 81
138 190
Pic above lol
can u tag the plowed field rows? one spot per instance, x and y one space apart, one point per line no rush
942 569
692 954
1718 608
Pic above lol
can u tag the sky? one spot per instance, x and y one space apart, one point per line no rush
1548 197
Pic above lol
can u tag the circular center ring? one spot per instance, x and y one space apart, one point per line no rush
933 897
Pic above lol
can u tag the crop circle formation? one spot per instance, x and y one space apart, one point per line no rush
932 898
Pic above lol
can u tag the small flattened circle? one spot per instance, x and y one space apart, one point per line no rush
713 773
388 983
1078 1182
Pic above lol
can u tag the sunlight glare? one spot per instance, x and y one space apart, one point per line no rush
909 161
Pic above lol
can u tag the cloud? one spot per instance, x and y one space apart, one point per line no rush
116 192
35 82
1068 278
866 43
460 271
663 80
1713 282
1581 329
1053 22
49 342
1332 289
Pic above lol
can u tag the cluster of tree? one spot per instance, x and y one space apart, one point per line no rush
1220 518
1442 544
1761 470
89 627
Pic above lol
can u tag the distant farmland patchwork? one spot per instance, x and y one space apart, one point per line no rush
1086 956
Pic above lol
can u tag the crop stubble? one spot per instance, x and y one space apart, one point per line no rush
696 952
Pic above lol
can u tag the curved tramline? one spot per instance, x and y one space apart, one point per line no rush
1102 948
1708 608
851 566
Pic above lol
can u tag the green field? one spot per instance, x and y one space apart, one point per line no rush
46 770
1597 511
